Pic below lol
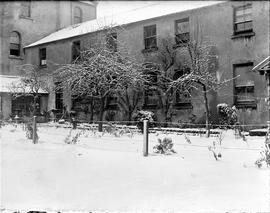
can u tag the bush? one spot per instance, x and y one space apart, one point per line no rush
164 146
142 115
227 115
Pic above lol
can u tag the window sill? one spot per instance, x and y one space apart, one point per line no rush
25 17
153 49
246 104
243 35
15 57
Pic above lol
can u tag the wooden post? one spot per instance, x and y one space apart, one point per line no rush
145 138
34 129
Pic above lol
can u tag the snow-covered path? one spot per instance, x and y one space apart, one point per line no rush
108 173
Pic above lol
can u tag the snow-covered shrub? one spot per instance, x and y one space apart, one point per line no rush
265 154
30 131
142 115
217 155
73 139
165 146
187 139
227 115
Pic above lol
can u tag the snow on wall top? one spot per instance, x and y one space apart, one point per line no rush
133 16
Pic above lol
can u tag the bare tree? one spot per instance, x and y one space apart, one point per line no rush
99 73
33 82
201 59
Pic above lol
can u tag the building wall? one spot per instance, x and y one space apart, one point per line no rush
214 24
46 17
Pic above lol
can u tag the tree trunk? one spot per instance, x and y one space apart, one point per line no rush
101 112
206 111
35 105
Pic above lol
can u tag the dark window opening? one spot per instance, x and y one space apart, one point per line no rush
182 35
182 98
112 102
23 106
76 50
244 87
111 42
15 44
42 57
150 97
150 37
243 19
59 98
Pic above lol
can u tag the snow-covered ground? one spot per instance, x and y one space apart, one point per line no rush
108 173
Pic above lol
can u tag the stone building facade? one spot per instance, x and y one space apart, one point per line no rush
239 30
24 22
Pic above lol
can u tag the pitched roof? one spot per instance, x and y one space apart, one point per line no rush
132 16
263 65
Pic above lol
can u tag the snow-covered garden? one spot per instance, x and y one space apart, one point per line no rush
108 172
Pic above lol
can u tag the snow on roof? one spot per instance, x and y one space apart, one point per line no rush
263 64
123 18
12 84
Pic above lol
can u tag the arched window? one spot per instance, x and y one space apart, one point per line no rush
15 44
77 15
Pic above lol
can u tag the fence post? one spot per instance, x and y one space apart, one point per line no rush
34 129
145 138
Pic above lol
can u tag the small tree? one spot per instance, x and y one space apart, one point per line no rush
200 58
99 73
32 82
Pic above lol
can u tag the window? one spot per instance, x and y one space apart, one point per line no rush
111 42
150 97
243 19
23 105
182 99
112 102
150 37
59 98
42 57
76 50
15 44
77 15
182 31
244 86
26 9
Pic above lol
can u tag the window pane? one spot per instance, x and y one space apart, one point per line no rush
150 31
77 15
182 27
15 38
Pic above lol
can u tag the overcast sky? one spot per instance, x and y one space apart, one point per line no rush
107 8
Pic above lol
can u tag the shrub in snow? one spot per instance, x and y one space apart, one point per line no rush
73 139
265 154
187 139
227 115
165 146
217 155
142 115
30 131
